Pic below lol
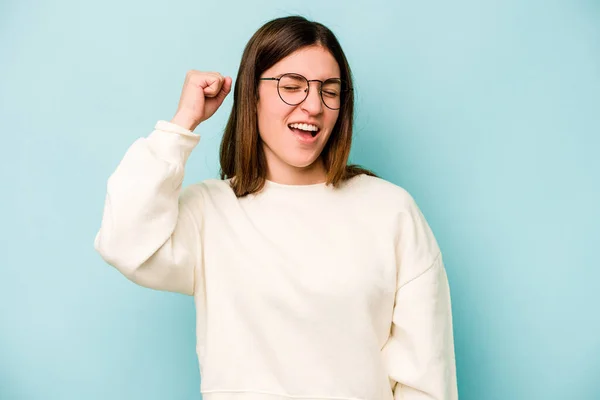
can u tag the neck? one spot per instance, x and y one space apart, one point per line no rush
285 174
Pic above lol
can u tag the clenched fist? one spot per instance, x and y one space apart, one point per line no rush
202 94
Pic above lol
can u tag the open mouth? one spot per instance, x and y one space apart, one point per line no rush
305 130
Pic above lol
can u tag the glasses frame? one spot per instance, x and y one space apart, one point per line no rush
278 79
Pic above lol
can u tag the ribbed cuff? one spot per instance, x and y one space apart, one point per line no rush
171 127
172 143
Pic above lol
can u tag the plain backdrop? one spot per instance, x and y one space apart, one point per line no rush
487 112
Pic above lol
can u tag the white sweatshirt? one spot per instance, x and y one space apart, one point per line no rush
301 292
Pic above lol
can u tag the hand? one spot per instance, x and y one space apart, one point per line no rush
202 94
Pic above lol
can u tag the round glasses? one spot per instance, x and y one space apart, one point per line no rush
293 89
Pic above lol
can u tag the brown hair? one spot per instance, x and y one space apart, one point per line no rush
242 155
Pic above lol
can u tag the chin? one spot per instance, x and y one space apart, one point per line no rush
293 157
300 160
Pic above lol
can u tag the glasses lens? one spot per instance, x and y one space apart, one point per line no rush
332 93
293 88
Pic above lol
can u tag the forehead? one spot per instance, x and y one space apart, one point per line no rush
314 62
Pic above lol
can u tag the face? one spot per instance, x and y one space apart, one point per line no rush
294 154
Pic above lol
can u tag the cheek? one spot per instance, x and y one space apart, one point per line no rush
272 114
331 119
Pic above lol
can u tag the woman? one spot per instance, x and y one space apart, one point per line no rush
312 279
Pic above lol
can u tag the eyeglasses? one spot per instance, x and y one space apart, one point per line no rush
293 89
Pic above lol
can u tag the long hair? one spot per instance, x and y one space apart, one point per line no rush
241 153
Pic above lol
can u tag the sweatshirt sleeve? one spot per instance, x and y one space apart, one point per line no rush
419 353
149 229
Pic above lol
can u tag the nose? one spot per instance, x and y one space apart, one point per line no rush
313 103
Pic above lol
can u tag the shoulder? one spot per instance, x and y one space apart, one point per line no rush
215 186
393 206
206 189
382 193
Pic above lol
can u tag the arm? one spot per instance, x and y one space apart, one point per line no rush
148 231
419 353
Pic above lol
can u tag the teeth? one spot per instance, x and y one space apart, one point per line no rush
305 127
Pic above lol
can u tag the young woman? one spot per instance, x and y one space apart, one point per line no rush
312 279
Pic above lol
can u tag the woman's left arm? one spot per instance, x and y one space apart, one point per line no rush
419 353
420 350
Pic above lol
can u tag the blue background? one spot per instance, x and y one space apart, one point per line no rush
486 111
